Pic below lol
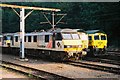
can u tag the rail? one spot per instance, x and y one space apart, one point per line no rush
115 70
32 71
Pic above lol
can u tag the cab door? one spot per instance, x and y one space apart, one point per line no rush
58 41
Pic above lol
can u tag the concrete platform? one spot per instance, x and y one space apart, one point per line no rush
60 68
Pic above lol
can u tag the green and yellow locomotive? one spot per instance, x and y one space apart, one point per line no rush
97 42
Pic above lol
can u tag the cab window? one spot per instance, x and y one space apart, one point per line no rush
103 37
8 38
75 36
96 37
90 37
67 36
58 36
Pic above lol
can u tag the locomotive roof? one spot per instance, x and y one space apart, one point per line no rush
80 30
94 31
64 30
8 34
35 33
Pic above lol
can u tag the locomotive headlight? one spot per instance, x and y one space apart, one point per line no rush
68 46
65 46
80 46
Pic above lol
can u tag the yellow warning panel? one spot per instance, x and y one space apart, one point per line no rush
72 42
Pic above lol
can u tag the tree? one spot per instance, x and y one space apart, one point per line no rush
86 15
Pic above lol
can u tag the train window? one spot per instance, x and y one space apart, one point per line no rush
25 39
4 38
96 37
11 38
67 36
90 37
16 39
103 37
8 37
29 38
34 38
58 36
75 36
84 37
46 38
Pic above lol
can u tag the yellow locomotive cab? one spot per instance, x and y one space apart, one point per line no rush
97 41
72 44
7 39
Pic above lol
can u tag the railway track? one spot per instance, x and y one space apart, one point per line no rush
116 53
111 57
33 72
115 56
103 60
113 51
115 70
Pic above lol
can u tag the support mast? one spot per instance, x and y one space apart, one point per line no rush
22 32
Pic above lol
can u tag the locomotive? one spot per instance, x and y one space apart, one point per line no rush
97 42
60 44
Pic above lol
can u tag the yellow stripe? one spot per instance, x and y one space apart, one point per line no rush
73 49
72 42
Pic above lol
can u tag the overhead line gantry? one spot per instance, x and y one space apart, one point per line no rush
22 20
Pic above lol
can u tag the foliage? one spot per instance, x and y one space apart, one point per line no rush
86 15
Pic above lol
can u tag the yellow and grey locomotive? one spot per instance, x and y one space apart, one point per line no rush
61 44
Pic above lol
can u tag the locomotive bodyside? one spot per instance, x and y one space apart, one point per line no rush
84 37
33 40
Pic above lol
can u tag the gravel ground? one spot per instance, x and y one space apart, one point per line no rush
5 73
61 69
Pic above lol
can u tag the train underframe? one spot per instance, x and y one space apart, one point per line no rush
96 51
44 54
76 55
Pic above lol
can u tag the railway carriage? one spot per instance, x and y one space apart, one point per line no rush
97 42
